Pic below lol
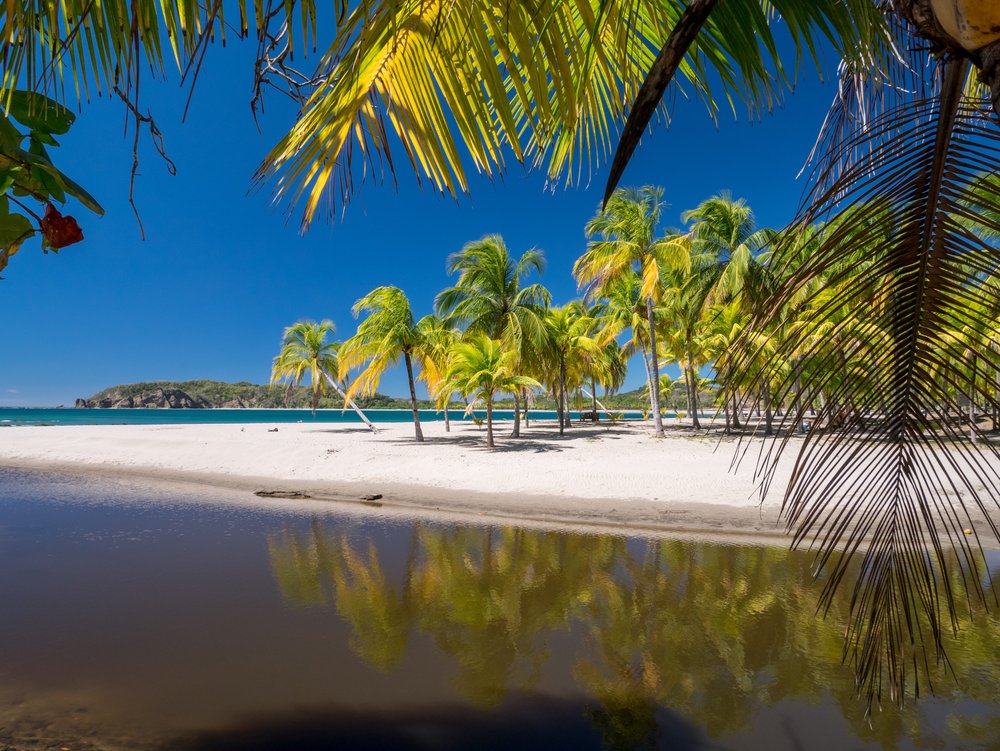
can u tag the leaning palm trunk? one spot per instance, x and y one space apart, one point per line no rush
593 401
654 386
598 404
413 398
349 402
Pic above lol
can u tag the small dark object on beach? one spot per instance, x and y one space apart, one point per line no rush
281 494
272 430
371 497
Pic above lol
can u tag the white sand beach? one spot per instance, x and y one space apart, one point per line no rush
603 475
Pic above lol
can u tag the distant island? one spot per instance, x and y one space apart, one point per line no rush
244 395
222 395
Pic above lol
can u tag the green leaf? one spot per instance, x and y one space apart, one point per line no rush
14 230
52 183
44 138
40 113
68 185
7 177
10 137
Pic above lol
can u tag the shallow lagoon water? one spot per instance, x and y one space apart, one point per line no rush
142 617
15 416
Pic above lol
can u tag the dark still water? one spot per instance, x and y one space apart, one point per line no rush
140 618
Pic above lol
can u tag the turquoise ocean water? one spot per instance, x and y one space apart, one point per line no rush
13 416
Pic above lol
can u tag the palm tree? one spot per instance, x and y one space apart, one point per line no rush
724 230
725 324
480 368
569 330
628 243
489 298
305 349
386 335
436 338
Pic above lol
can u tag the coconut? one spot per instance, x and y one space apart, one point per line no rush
971 23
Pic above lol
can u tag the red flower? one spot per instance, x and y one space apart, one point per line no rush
59 231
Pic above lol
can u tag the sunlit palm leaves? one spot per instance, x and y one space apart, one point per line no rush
462 84
480 368
625 240
306 350
48 45
386 335
886 468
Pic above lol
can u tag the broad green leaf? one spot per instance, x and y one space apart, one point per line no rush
52 183
65 183
14 230
40 113
45 138
10 137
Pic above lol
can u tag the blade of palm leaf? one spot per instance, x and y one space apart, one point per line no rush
648 97
870 671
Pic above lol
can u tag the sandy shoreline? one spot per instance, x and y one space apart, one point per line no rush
607 477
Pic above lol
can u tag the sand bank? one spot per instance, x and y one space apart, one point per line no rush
605 475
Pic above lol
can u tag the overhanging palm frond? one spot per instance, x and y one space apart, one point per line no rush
461 84
48 44
894 345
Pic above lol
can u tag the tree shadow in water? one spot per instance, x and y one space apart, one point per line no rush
526 722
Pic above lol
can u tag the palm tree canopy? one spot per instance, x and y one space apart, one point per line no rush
481 367
465 84
385 335
436 338
626 231
488 296
305 347
724 230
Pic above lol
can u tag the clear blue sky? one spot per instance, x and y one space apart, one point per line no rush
207 294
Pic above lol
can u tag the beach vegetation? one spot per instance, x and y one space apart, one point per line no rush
490 297
307 352
625 241
479 369
387 334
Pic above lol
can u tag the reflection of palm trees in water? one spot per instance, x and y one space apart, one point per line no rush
713 632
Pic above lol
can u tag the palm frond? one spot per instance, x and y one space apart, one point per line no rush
887 469
461 85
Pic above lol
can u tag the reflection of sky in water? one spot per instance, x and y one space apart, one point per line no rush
232 626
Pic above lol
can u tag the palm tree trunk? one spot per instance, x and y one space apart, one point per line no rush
765 391
315 400
562 394
447 420
593 400
413 398
349 402
725 401
972 399
489 421
516 432
695 421
654 386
